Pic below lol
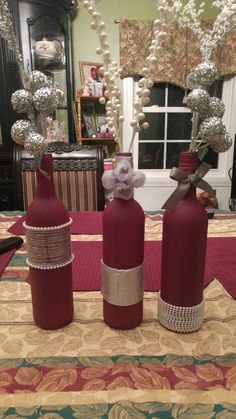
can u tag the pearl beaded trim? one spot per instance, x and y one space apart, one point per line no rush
46 267
180 319
49 247
48 228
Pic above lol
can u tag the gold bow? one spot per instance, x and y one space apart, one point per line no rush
185 179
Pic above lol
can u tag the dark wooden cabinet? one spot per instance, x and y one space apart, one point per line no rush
7 182
35 21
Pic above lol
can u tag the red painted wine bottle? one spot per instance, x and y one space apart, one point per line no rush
181 304
123 254
51 288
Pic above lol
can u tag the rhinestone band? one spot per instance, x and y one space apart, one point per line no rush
180 319
122 287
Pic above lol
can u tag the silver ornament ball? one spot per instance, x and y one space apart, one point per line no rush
20 130
211 128
216 107
21 100
37 80
45 100
35 144
60 94
206 74
198 100
223 143
191 81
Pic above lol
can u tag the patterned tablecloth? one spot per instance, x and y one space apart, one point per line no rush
87 370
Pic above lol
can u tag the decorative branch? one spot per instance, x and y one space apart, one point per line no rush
111 71
38 98
7 33
207 111
147 81
189 15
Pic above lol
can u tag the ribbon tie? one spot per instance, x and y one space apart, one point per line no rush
185 179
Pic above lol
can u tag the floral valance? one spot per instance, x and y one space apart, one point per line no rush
181 52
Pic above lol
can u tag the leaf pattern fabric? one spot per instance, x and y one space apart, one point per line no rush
181 51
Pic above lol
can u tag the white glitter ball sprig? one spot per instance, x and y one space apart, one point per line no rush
110 71
189 14
148 71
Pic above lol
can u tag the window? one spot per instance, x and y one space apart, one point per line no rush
156 150
169 129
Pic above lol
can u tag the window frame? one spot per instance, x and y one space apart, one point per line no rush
160 177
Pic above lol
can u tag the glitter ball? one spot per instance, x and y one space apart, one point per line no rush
198 100
223 143
37 80
191 81
60 94
206 74
21 100
35 144
216 107
210 129
20 130
45 100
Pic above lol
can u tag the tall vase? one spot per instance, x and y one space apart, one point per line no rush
123 256
49 253
181 303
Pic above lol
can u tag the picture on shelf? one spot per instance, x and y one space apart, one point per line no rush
102 127
105 153
90 125
91 79
88 115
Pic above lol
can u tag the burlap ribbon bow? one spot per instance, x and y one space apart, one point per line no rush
185 179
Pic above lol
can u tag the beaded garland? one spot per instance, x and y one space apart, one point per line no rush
111 71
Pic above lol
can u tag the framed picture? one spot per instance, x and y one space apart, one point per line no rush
101 123
106 153
89 71
91 78
89 124
89 119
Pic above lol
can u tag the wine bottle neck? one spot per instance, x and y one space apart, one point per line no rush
191 194
188 161
44 175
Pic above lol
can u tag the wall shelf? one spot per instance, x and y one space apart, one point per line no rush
91 124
